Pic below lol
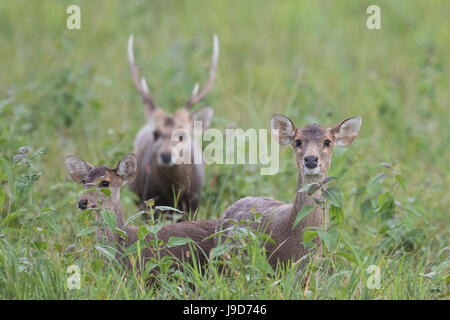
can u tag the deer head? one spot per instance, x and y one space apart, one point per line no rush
164 125
313 144
101 177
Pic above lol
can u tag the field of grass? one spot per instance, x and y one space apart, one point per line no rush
70 92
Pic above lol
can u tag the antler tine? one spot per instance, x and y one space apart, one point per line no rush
141 86
212 74
144 85
195 90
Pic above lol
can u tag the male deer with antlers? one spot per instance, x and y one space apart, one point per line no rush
312 147
113 178
158 177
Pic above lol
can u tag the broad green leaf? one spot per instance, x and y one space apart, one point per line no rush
303 213
333 196
310 188
131 249
378 177
143 231
329 238
84 191
134 217
150 266
337 214
13 216
177 241
85 213
38 152
122 233
414 211
165 262
366 209
401 181
154 229
385 202
374 188
110 218
346 255
220 250
309 235
85 232
109 253
48 220
327 179
40 245
106 192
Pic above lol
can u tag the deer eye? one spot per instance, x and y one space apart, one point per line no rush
104 184
327 143
155 135
298 143
180 138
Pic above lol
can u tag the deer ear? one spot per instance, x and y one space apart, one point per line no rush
204 115
346 131
127 167
77 168
283 130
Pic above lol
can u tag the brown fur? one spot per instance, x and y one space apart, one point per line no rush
198 231
278 217
169 184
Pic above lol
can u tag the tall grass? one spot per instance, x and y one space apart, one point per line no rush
70 92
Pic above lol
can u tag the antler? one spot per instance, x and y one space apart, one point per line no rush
212 74
141 85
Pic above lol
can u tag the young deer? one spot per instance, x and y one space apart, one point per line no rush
158 177
312 147
103 177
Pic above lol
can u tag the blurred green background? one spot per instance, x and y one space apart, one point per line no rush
71 92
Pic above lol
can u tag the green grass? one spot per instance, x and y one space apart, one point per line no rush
70 92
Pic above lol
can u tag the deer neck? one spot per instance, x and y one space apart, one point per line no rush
301 200
103 231
179 175
118 208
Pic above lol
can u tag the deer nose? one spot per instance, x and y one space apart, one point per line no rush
311 162
166 157
82 204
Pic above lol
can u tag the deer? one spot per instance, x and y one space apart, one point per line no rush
159 177
101 176
312 145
